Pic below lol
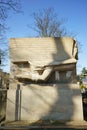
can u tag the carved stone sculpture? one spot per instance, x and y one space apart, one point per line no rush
42 80
37 58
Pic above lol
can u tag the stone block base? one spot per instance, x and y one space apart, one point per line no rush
48 102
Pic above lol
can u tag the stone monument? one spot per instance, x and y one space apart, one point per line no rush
43 80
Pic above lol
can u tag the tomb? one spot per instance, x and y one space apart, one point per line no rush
43 80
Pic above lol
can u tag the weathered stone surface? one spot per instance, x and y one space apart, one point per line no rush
36 58
53 102
42 51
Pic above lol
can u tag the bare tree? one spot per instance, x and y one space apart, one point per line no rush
47 23
5 7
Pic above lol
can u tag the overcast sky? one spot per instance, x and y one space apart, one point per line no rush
74 11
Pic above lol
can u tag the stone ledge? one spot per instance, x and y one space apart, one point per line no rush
25 125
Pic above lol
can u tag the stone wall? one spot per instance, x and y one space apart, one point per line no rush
53 101
3 101
4 80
